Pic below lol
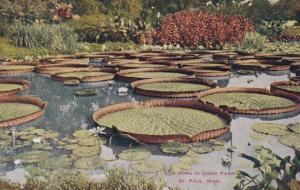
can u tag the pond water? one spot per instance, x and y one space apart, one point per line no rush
67 113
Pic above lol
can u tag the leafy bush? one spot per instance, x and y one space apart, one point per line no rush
37 35
194 28
253 42
100 28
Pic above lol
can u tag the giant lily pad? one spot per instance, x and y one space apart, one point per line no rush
57 162
134 154
248 101
290 88
156 75
15 110
174 147
149 166
10 87
295 127
275 129
163 121
82 74
32 156
291 140
173 87
90 163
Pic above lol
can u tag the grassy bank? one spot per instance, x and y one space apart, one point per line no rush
8 51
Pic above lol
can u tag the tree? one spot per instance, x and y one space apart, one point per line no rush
287 9
260 10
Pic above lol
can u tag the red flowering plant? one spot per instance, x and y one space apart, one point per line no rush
194 28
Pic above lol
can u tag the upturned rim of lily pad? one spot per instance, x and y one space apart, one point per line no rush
27 118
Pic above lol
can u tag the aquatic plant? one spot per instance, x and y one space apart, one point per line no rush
88 163
15 110
294 127
149 166
86 92
155 75
275 129
134 154
174 147
291 140
274 172
173 86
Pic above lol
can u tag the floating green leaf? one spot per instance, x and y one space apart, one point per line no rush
294 127
275 129
174 147
90 163
134 154
57 162
291 140
149 166
86 92
202 149
173 86
32 156
16 110
86 151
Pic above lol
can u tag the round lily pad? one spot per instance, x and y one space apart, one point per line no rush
54 163
32 156
181 166
295 127
174 147
71 146
202 149
173 86
15 110
190 159
82 134
161 121
274 129
92 141
90 163
86 151
149 166
42 146
291 140
134 154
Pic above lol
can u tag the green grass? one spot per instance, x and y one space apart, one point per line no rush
8 51
163 121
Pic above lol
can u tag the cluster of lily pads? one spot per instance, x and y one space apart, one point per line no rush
288 135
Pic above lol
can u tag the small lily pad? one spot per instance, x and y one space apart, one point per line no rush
291 140
190 159
295 127
174 147
54 163
149 166
134 154
86 92
92 141
32 156
71 146
71 82
86 151
216 142
82 134
181 166
42 146
274 129
90 163
202 149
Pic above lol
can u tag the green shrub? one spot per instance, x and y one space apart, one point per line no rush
47 36
101 28
253 42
